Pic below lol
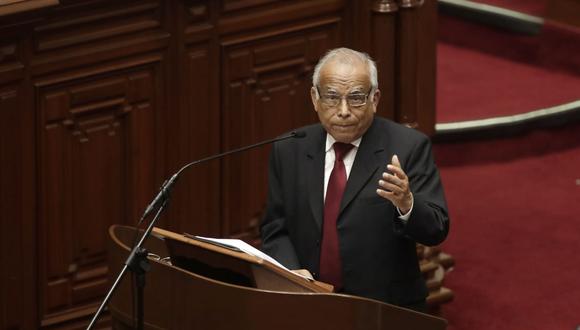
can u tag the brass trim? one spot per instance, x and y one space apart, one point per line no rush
411 3
385 6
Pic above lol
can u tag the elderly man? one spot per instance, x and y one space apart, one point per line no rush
349 201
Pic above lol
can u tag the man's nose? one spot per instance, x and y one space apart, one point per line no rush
343 109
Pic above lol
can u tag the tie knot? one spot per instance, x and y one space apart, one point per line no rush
341 149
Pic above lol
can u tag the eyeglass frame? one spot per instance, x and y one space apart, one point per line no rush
345 97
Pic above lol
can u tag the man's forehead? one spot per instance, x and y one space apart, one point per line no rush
337 74
352 83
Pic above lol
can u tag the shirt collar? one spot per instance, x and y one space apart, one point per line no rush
330 141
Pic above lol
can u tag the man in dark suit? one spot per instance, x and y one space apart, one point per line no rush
350 200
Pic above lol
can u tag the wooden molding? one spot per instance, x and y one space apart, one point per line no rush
8 7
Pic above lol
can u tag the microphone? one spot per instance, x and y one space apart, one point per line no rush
137 259
298 134
165 189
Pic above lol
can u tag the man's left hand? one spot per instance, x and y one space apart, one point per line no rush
395 187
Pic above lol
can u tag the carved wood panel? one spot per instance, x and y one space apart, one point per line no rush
254 15
97 157
265 93
10 236
17 191
11 66
97 33
15 6
198 19
233 5
17 260
194 134
193 120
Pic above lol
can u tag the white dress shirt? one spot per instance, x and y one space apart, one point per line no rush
348 160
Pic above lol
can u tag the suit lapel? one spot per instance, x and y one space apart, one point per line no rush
315 171
365 165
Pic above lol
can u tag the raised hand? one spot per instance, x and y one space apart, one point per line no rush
395 187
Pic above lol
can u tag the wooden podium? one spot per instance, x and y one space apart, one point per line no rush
262 296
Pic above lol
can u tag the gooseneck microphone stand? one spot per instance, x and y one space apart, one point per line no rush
137 260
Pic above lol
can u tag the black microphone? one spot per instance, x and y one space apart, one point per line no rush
136 261
163 194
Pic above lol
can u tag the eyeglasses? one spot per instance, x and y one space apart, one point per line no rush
354 100
157 257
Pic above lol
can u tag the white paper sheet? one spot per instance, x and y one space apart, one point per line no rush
247 248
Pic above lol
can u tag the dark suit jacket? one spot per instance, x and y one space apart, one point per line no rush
378 253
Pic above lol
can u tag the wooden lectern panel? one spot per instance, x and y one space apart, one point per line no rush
178 299
233 266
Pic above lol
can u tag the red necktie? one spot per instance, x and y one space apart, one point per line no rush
330 264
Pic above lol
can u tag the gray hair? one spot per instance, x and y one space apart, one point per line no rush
346 55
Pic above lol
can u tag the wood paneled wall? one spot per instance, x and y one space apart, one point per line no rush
101 100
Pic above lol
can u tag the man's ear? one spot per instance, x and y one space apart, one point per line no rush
314 98
376 98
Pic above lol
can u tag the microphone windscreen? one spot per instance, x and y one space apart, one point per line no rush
299 134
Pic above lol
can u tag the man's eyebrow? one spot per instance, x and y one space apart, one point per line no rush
357 90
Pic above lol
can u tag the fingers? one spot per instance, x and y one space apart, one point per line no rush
396 168
393 179
387 195
395 187
395 161
390 187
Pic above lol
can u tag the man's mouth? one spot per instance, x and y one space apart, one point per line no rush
343 126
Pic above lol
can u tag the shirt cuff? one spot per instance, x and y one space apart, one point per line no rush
405 217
